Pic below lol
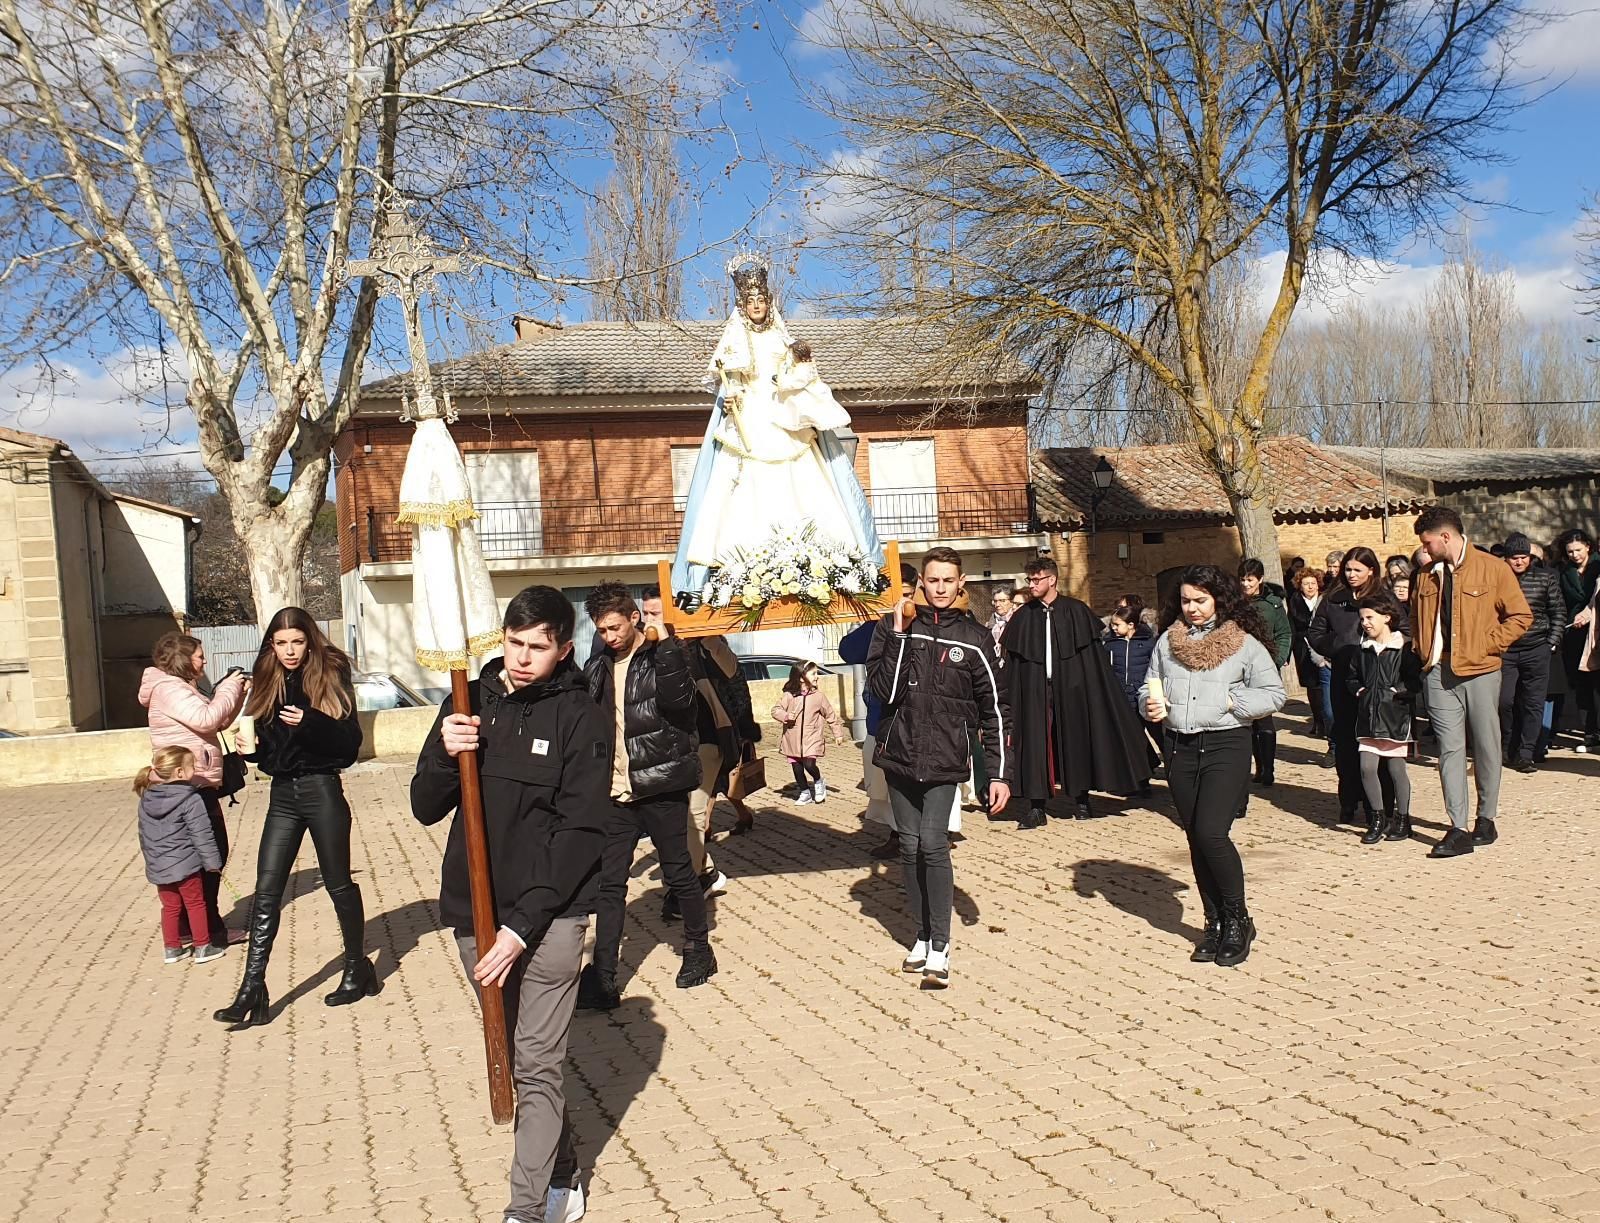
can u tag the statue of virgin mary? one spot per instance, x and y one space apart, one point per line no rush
770 456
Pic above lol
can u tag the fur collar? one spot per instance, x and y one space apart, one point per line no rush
1394 641
1204 651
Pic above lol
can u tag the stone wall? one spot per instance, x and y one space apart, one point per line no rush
1540 510
33 653
1094 570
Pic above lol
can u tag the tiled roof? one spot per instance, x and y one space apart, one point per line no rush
1165 483
857 357
1460 464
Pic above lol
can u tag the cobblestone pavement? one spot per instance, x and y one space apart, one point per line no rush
1410 1040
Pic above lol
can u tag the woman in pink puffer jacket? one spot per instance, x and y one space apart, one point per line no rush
180 715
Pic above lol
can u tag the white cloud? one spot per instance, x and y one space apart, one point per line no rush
1567 47
117 408
1542 289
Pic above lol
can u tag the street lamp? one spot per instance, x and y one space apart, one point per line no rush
1105 476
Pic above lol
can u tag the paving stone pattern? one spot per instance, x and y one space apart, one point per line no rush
1411 1040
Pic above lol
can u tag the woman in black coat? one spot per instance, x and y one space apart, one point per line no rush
1335 633
1578 577
1305 596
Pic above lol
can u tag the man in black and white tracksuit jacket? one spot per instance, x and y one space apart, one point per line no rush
938 681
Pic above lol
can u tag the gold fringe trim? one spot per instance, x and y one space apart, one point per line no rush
456 660
435 513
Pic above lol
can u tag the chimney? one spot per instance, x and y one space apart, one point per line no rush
531 329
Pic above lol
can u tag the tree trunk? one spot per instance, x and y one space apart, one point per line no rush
274 548
1258 534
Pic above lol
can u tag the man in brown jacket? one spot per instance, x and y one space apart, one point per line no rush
1467 609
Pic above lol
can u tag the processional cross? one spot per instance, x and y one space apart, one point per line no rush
454 614
406 266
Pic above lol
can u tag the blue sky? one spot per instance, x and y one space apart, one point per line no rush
1552 167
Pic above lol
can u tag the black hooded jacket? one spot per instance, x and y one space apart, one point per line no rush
545 762
658 719
938 682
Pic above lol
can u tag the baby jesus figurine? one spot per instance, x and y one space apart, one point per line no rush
804 400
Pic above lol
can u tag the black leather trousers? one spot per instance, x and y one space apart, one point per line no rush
314 804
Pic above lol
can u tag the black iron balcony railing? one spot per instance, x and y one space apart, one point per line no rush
594 528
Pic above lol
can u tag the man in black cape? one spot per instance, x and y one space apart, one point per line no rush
1073 728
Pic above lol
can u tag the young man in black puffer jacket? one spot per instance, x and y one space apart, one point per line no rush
935 673
542 756
646 693
1525 667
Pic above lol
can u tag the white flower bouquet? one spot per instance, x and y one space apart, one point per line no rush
796 562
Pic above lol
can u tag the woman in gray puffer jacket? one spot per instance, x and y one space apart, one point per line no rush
1211 676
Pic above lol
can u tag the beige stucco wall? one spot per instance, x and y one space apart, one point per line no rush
146 560
80 554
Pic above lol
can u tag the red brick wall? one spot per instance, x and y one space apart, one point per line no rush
633 454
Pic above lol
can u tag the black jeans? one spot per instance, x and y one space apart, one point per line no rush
664 818
1208 776
922 818
1524 677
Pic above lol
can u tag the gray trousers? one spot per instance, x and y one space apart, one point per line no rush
540 995
1461 706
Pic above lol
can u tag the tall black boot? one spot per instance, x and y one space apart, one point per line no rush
250 1007
1238 932
358 980
1266 757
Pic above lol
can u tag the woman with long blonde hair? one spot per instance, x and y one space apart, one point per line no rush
305 714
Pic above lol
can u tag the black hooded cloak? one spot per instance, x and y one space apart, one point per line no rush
1098 742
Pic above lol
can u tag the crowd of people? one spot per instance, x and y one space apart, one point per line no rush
1028 716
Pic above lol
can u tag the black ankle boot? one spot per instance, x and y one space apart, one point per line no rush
597 991
1207 950
1375 827
250 1007
358 980
699 965
1399 828
1238 932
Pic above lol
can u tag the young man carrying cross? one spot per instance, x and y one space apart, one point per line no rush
545 761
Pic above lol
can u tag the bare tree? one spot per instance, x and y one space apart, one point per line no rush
635 222
195 175
1104 158
1589 255
1473 330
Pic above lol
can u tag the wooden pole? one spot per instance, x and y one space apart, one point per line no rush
502 1105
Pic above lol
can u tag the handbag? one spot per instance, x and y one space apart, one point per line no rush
750 776
234 775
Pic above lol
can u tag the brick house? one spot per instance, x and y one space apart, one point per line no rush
1538 492
580 442
1164 510
88 580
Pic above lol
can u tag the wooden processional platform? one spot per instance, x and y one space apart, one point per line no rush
787 612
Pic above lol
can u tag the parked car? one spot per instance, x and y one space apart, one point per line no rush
379 690
772 666
9 734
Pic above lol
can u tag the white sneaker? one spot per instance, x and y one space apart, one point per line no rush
716 885
820 790
564 1205
936 972
805 798
916 957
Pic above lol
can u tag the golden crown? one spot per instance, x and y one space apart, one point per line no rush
748 268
